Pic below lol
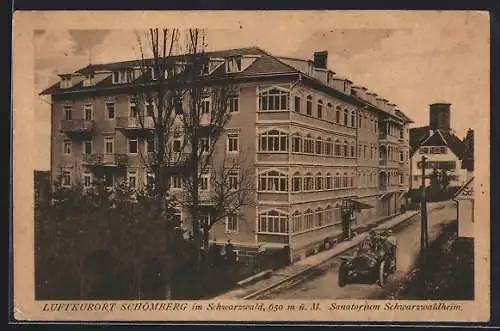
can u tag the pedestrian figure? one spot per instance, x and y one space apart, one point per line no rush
230 258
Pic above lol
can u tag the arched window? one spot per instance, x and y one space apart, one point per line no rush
273 181
320 109
353 151
351 180
308 182
319 146
328 215
297 222
353 119
337 115
319 217
329 181
346 117
296 182
360 121
308 145
308 219
273 141
309 105
338 151
273 222
274 99
336 213
336 180
296 143
329 147
344 180
319 181
346 149
329 111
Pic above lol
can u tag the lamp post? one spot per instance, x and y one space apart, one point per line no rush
423 214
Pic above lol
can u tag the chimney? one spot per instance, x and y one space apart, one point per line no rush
439 116
321 59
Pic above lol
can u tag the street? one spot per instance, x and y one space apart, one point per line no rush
324 284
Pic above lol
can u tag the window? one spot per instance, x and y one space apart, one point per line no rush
319 181
329 181
337 115
204 182
297 222
401 179
337 180
273 181
320 109
329 215
308 219
66 82
132 179
109 145
150 180
234 64
353 151
132 146
297 104
205 106
116 77
68 110
309 106
87 180
338 151
150 108
273 222
87 147
121 77
205 145
178 105
309 145
346 149
232 223
319 146
88 112
443 150
177 145
273 99
273 141
67 147
297 144
353 119
89 80
176 182
424 150
319 217
296 182
329 147
234 104
344 180
233 181
110 110
150 144
233 143
134 107
66 179
308 182
329 114
401 156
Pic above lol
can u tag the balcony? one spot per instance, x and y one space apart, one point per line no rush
105 160
145 123
77 126
385 137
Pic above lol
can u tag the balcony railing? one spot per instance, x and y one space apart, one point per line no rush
135 123
77 126
112 160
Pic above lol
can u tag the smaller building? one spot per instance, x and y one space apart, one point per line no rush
465 209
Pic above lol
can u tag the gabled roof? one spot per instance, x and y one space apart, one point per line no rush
422 136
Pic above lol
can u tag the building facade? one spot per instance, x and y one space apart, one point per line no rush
312 140
441 147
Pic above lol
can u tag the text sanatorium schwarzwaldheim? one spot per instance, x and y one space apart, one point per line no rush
267 307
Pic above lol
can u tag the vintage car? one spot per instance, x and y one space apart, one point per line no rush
373 266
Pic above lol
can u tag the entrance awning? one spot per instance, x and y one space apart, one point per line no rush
359 205
385 195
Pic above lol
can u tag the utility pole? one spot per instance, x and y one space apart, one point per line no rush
423 205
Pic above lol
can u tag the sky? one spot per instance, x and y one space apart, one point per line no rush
421 60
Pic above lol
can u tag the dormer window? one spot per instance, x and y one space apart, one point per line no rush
152 73
205 68
66 81
123 76
233 64
89 80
